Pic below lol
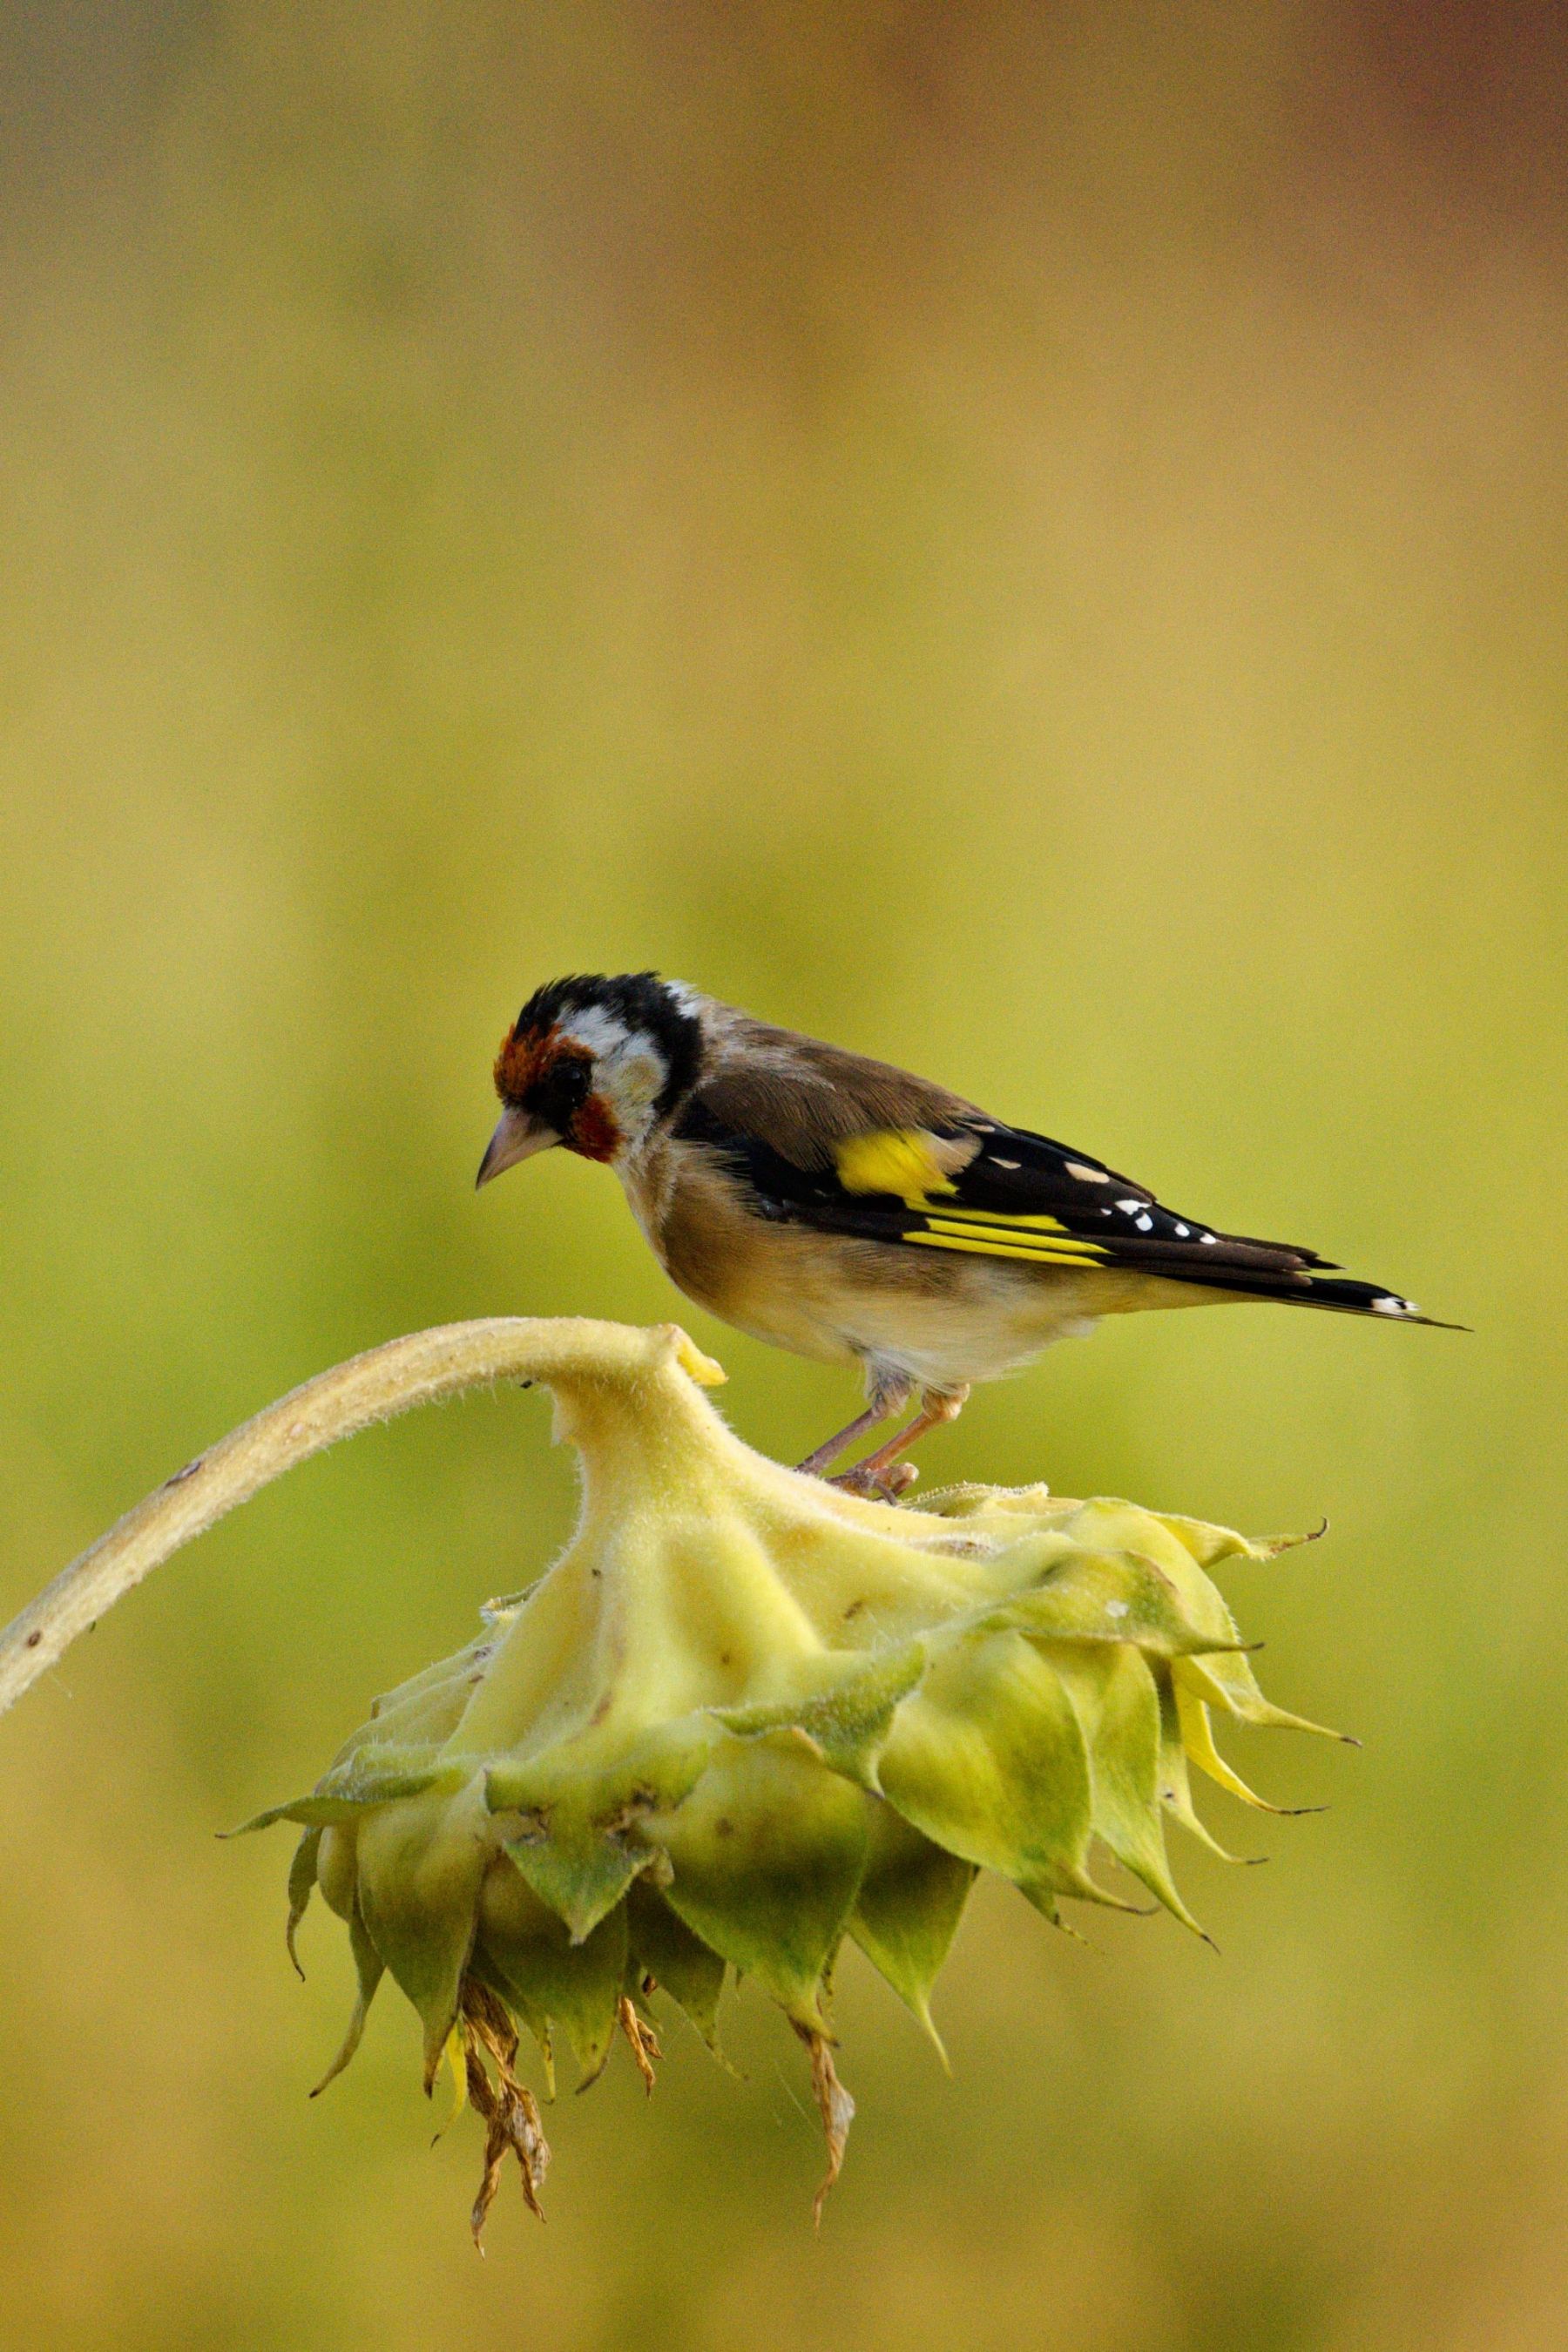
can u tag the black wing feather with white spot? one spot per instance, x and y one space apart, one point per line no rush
1025 1199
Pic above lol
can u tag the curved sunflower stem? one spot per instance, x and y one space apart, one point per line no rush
377 1386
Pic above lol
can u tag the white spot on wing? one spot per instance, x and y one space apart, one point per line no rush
1085 1174
1185 1231
1145 1224
1130 1208
1211 1238
998 1163
1394 1307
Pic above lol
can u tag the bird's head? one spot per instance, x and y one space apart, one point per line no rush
593 1063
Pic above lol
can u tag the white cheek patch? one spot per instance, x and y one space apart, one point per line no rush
629 1076
635 1079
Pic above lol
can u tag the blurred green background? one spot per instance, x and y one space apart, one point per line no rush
1028 541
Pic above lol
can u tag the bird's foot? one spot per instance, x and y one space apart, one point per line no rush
884 1485
884 1403
884 1474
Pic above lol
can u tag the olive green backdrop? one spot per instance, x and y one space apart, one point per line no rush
1029 540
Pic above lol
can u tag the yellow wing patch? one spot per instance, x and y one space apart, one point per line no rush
896 1160
901 1163
996 1240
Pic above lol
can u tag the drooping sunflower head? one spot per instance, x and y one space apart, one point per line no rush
744 1716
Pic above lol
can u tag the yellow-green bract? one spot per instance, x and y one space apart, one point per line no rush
747 1715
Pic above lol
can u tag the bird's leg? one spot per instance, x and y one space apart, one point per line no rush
884 1403
876 1474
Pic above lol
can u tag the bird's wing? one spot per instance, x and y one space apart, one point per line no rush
804 1098
900 1171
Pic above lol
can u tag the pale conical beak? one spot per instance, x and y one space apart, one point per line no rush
517 1137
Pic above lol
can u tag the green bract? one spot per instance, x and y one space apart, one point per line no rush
746 1715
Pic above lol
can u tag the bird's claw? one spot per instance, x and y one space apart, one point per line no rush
879 1486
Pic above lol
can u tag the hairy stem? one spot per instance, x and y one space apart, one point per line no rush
374 1386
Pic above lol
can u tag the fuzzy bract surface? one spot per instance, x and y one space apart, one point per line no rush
745 1716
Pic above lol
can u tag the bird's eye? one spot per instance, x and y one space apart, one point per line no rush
561 1091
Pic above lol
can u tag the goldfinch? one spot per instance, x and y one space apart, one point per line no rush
849 1211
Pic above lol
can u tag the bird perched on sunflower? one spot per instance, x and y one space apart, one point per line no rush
853 1212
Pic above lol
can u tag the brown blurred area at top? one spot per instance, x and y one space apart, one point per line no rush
1027 539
